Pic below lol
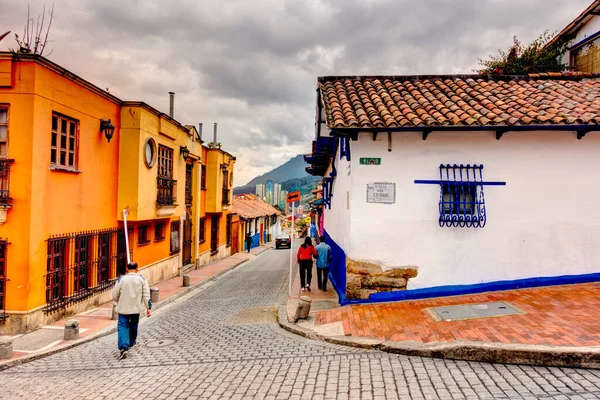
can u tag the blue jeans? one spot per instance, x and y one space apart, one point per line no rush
127 329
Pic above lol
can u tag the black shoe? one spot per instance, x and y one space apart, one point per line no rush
123 354
308 288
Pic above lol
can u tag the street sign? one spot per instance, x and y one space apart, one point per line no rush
370 161
381 192
293 197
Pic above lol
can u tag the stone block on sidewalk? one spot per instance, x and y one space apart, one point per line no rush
303 308
114 315
154 295
71 329
186 280
6 347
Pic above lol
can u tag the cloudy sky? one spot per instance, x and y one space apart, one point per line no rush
251 65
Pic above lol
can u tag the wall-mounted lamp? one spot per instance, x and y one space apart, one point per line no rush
107 128
223 167
184 151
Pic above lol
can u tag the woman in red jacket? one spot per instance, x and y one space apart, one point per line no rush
306 252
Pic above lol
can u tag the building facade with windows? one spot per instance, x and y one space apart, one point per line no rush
61 242
217 219
159 185
443 185
257 218
72 158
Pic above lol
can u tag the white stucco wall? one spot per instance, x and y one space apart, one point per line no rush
542 223
590 28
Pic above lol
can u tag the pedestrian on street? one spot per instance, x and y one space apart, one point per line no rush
249 241
132 295
306 252
323 262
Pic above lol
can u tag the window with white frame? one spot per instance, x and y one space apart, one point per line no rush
64 144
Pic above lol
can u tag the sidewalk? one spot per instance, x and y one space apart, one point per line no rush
556 325
97 322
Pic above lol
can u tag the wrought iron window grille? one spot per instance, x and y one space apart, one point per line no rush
3 248
462 202
82 264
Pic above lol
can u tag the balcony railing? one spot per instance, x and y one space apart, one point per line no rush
5 198
167 190
226 196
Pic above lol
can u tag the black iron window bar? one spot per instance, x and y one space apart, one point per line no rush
5 198
462 202
79 265
167 189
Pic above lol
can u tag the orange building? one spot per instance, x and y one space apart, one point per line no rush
72 158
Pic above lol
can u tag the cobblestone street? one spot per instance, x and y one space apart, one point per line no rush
224 343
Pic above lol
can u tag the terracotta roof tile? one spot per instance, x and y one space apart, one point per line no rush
250 206
466 100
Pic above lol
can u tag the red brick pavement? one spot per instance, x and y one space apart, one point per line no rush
556 315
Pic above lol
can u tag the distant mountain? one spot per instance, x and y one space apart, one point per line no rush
293 169
305 185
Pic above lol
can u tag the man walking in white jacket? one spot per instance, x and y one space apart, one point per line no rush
132 295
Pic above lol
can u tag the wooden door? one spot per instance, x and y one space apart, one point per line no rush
187 239
214 234
235 237
262 233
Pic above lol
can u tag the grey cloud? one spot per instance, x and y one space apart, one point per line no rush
252 65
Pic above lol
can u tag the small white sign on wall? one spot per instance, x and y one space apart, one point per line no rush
381 192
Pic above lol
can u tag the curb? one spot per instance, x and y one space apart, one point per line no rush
537 355
107 331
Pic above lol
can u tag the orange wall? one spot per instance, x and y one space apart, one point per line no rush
53 202
155 250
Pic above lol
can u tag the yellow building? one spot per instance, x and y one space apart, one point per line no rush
216 222
72 158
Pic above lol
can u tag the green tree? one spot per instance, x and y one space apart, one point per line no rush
539 56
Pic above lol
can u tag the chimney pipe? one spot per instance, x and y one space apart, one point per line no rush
215 135
200 130
171 104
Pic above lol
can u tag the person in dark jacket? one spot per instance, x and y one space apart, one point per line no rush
306 252
249 241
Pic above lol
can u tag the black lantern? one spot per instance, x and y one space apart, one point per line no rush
108 128
184 151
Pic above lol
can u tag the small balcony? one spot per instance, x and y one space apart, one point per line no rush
226 195
167 192
5 199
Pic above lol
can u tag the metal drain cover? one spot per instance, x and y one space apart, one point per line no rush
161 342
470 311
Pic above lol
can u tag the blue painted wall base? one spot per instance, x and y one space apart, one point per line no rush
337 269
337 275
457 290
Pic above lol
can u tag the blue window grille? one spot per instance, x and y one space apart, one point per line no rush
462 203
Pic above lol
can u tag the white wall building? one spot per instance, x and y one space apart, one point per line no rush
583 40
276 194
260 191
398 211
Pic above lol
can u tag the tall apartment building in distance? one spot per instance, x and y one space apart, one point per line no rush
276 194
260 190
